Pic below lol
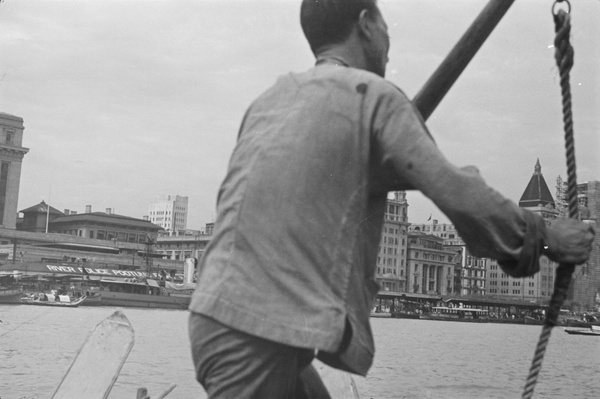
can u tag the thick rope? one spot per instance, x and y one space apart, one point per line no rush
564 60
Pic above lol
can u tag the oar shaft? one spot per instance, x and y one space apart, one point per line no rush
434 90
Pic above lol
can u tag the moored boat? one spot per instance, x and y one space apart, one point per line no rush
592 331
139 294
52 300
456 314
11 294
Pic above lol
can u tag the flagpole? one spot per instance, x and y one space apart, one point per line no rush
48 209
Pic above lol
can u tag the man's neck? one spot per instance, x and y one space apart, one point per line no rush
344 54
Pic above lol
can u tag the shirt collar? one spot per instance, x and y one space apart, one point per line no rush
330 59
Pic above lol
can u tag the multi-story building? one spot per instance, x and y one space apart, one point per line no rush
469 272
391 258
446 231
169 212
187 244
430 266
585 295
537 199
11 158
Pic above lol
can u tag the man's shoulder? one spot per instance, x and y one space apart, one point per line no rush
374 84
352 77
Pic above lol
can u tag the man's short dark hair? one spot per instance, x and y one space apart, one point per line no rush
330 21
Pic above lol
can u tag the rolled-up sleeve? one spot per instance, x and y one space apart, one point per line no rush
491 225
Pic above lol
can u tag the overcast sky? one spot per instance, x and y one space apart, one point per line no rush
126 100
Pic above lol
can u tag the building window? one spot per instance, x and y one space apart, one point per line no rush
10 134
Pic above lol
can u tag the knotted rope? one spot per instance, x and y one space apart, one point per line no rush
564 60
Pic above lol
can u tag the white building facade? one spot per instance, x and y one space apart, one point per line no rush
169 212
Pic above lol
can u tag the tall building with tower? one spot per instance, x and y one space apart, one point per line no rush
169 212
11 158
390 272
536 198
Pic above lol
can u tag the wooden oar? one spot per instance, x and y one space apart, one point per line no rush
434 90
99 361
339 384
142 393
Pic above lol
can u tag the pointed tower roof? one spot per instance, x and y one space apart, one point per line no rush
537 192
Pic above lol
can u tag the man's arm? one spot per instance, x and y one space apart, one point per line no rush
491 225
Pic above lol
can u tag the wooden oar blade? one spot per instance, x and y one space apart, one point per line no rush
99 361
339 384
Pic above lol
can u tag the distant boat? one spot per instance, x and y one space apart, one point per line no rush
381 314
11 294
456 314
50 300
146 294
593 330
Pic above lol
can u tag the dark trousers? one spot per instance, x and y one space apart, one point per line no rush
233 364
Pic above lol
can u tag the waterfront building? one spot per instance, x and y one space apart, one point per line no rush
430 265
469 271
36 218
447 231
104 226
536 198
11 158
585 295
169 212
390 270
185 244
32 252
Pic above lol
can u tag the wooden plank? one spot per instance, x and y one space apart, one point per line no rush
99 361
340 384
434 90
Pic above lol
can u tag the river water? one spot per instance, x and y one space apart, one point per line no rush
415 358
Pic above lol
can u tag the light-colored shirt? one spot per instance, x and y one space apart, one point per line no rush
301 209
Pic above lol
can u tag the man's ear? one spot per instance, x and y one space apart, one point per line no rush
364 24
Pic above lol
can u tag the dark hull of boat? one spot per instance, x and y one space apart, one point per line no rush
583 332
121 299
402 315
10 296
73 304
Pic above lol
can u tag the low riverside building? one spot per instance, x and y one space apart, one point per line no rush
190 244
33 253
95 225
91 240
